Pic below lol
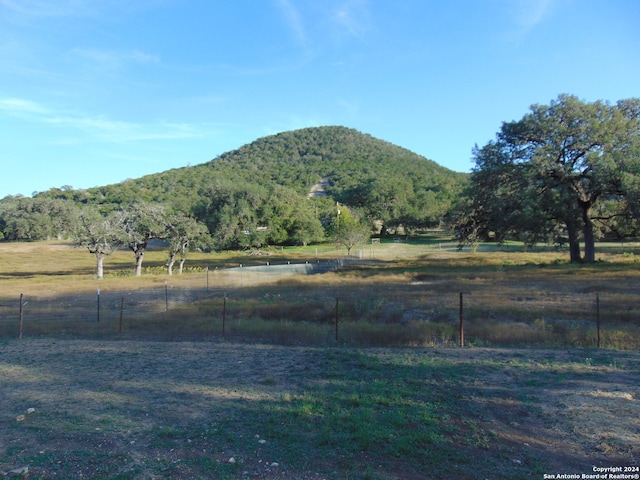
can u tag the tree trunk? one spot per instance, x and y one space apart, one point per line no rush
139 258
172 260
181 265
99 265
589 236
574 243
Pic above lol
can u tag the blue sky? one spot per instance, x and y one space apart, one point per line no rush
93 92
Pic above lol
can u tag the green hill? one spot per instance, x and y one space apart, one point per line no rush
267 183
361 171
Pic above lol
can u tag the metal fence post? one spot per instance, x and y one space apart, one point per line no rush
120 323
461 320
224 313
21 305
337 309
598 318
166 297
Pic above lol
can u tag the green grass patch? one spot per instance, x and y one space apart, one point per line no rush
231 410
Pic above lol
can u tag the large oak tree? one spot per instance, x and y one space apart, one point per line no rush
140 222
570 164
184 233
100 235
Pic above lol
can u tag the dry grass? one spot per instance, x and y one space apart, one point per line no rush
284 400
511 297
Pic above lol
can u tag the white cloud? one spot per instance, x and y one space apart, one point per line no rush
141 57
293 19
529 13
99 128
19 106
113 131
78 8
354 17
109 59
351 108
49 8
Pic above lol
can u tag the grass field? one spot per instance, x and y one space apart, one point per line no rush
402 294
279 398
142 410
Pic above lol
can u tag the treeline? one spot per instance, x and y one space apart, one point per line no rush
567 173
259 194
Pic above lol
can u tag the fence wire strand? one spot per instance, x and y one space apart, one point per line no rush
250 303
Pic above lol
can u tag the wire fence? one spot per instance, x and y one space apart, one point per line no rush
68 314
249 304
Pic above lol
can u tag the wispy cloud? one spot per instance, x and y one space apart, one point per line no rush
529 13
20 106
353 16
113 131
110 59
50 8
349 107
100 128
78 8
293 19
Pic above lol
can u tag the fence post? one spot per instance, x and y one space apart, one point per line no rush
120 323
21 305
461 320
166 297
337 309
207 270
598 318
98 318
224 313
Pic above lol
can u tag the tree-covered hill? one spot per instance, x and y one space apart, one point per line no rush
266 184
362 171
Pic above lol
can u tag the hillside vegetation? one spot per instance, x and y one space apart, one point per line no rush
261 193
566 174
383 179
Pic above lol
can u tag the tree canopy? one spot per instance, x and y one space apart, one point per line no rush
346 230
139 223
569 170
259 194
99 234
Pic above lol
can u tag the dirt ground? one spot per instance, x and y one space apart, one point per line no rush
586 409
147 410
